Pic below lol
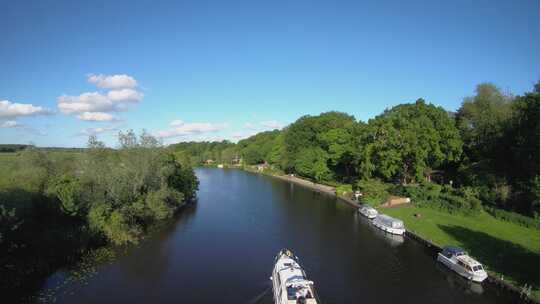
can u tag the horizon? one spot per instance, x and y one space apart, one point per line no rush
196 71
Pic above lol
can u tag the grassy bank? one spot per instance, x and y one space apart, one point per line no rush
505 248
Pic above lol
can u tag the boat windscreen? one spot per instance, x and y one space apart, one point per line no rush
397 224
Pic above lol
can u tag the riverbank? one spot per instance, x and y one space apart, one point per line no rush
510 252
313 186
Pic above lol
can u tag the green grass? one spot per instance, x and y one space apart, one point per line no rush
504 248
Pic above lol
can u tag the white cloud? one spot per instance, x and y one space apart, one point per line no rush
272 124
98 106
125 95
13 109
86 102
112 81
242 135
180 128
96 116
95 131
11 124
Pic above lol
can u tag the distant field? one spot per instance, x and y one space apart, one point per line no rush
505 248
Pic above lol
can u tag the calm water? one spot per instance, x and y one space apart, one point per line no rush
221 251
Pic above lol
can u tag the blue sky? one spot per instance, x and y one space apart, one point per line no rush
195 70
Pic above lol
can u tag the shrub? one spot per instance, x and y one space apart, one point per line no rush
120 229
445 198
515 218
374 191
343 189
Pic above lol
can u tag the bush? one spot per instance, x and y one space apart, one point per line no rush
374 191
120 229
343 189
515 218
431 195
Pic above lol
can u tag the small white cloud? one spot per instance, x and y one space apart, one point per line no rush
96 116
13 109
112 81
95 131
242 135
180 128
176 123
11 124
125 95
272 124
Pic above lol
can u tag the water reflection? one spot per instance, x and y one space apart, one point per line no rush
458 282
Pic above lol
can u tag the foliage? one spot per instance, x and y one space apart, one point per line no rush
258 148
482 119
73 201
408 141
515 218
430 195
343 189
199 152
374 191
330 135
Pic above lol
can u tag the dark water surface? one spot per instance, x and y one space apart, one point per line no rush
221 251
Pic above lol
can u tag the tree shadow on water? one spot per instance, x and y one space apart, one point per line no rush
501 256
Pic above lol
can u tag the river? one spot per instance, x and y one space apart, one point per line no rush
221 250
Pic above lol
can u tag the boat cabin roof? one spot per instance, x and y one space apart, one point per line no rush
468 260
452 250
390 220
367 207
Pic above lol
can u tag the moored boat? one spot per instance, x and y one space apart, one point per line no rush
368 212
389 224
459 261
289 281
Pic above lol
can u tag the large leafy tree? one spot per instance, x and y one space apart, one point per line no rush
312 162
333 133
482 120
408 142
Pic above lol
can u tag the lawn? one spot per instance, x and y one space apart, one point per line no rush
504 248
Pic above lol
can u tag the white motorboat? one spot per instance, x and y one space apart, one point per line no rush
389 224
368 212
459 261
289 281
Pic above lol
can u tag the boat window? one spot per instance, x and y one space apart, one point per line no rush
477 268
397 225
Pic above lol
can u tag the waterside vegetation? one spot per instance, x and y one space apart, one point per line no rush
63 204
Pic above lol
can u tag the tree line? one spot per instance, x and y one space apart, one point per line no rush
54 206
486 153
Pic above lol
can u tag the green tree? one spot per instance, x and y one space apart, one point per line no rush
408 141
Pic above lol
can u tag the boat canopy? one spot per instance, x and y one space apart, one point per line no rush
390 221
452 250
